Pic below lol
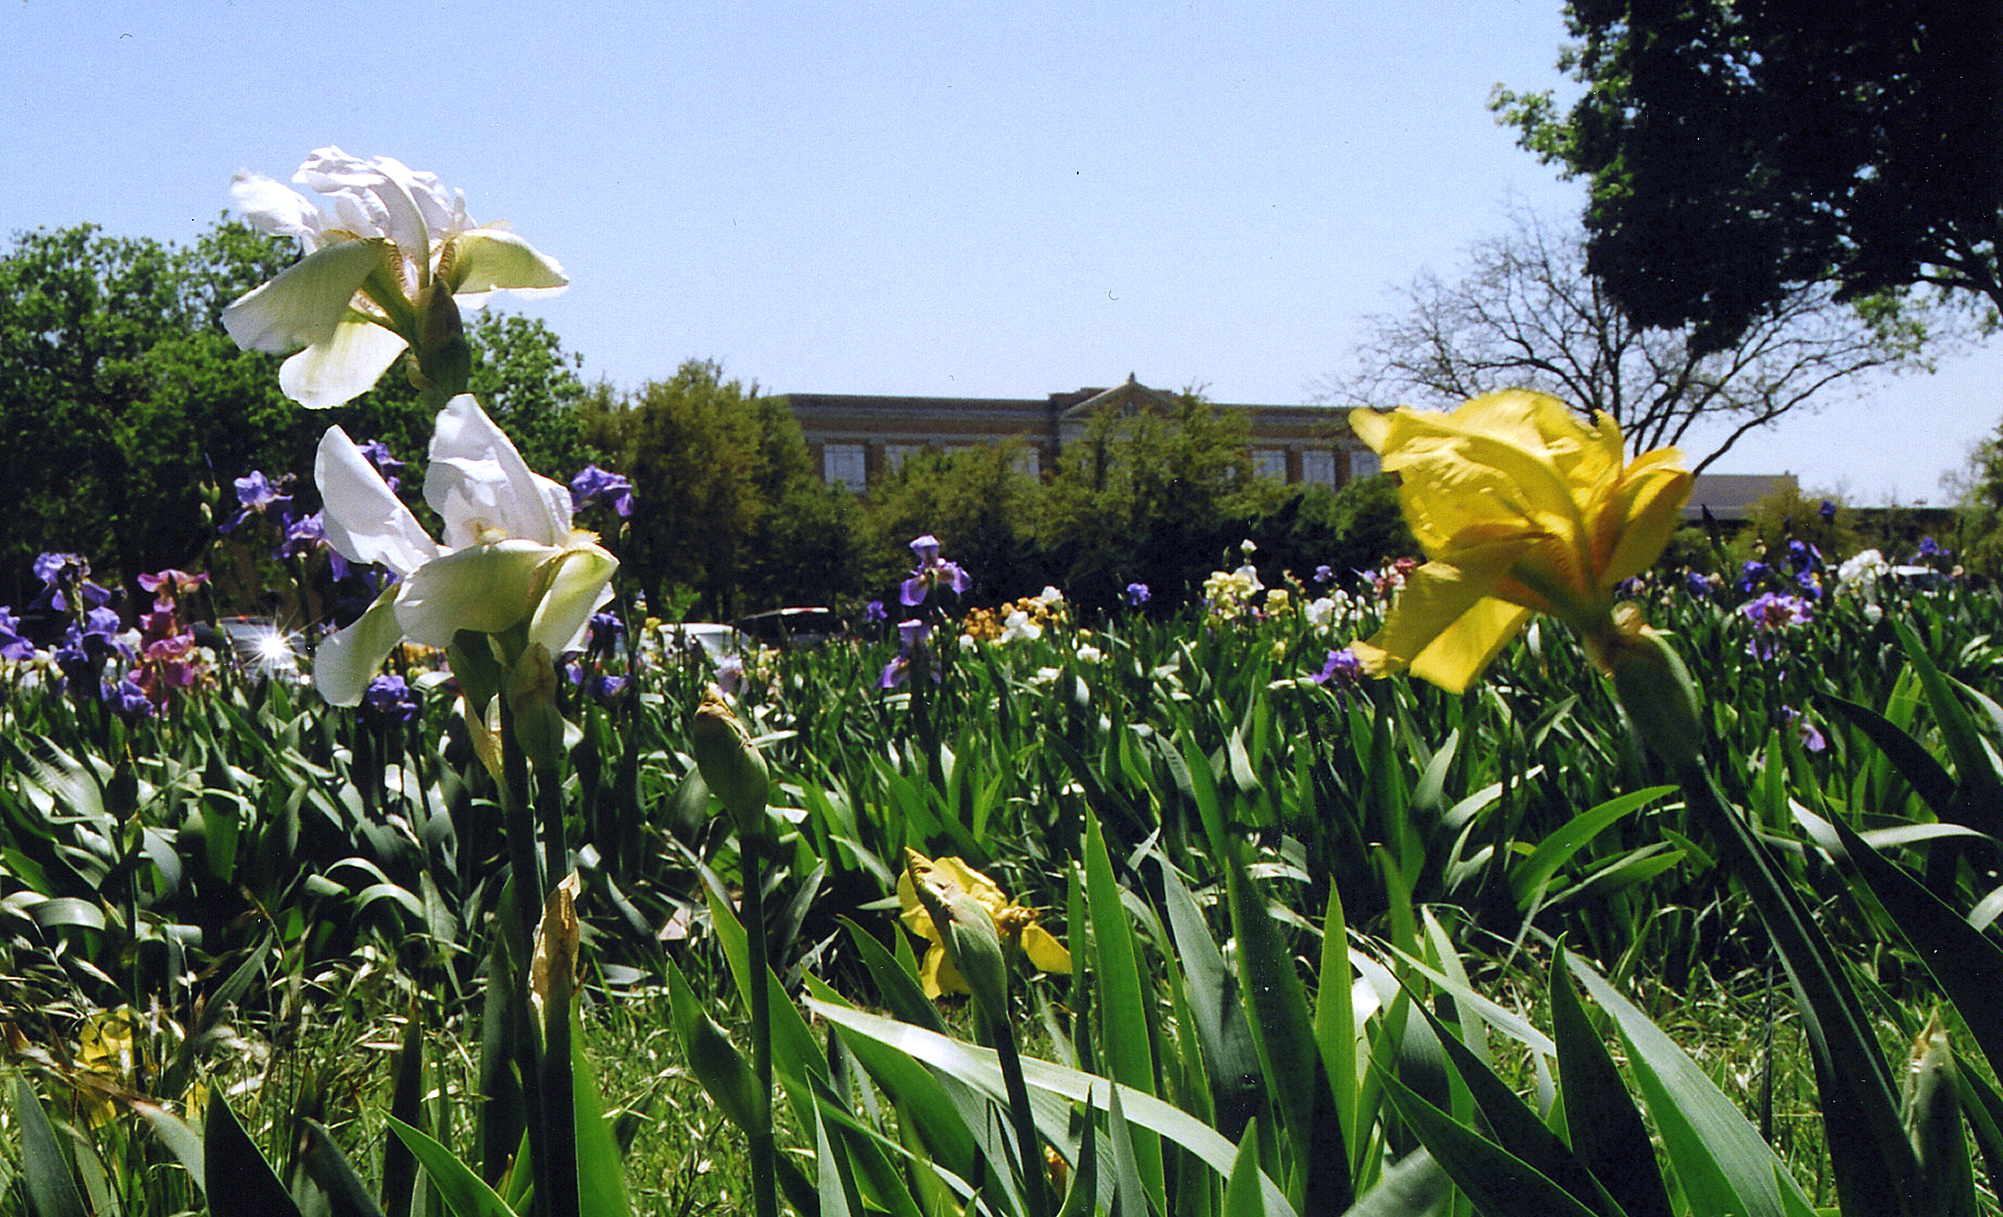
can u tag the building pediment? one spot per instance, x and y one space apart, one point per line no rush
1132 396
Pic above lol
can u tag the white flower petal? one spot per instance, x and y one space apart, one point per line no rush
276 208
306 301
386 188
488 588
488 259
346 365
478 481
581 583
363 520
345 662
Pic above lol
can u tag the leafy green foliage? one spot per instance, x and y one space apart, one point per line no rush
1256 878
1146 497
130 413
709 459
1734 151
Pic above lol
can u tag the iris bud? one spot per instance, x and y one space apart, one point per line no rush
732 769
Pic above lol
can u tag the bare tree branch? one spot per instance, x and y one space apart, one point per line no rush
1525 314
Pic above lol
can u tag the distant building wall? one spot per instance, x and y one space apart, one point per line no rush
1730 497
855 440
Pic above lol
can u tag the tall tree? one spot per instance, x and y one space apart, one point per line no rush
1144 497
121 404
129 413
691 446
978 500
532 388
1736 149
1526 314
807 547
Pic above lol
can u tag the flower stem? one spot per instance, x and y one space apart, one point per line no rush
528 888
1028 1144
764 1154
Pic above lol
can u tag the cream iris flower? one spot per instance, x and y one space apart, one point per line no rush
1014 924
363 292
1520 507
510 561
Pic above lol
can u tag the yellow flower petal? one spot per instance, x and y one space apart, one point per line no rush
1437 596
1044 951
1521 507
1457 656
912 913
937 975
1650 504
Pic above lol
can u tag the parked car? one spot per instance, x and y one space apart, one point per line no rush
792 627
717 639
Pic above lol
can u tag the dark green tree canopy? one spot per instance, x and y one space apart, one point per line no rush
129 413
1738 148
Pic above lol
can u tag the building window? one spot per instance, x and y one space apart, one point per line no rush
1270 463
1029 462
1318 468
1363 463
894 455
845 465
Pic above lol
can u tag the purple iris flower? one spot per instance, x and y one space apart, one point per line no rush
913 649
127 699
1697 583
1628 589
1827 511
388 699
255 495
53 567
605 688
101 621
1344 671
60 572
1800 556
874 612
302 537
1323 573
1770 614
306 534
932 572
12 645
77 663
596 485
1811 738
1752 574
1929 548
608 633
387 465
86 649
1138 593
177 583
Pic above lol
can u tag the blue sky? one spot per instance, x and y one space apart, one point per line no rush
923 198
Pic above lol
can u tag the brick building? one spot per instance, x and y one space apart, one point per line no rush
856 439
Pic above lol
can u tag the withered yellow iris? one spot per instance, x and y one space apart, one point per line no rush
1014 924
1521 508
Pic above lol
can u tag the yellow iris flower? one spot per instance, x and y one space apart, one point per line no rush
1014 924
1521 507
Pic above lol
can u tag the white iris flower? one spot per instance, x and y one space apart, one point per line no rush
510 557
386 235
